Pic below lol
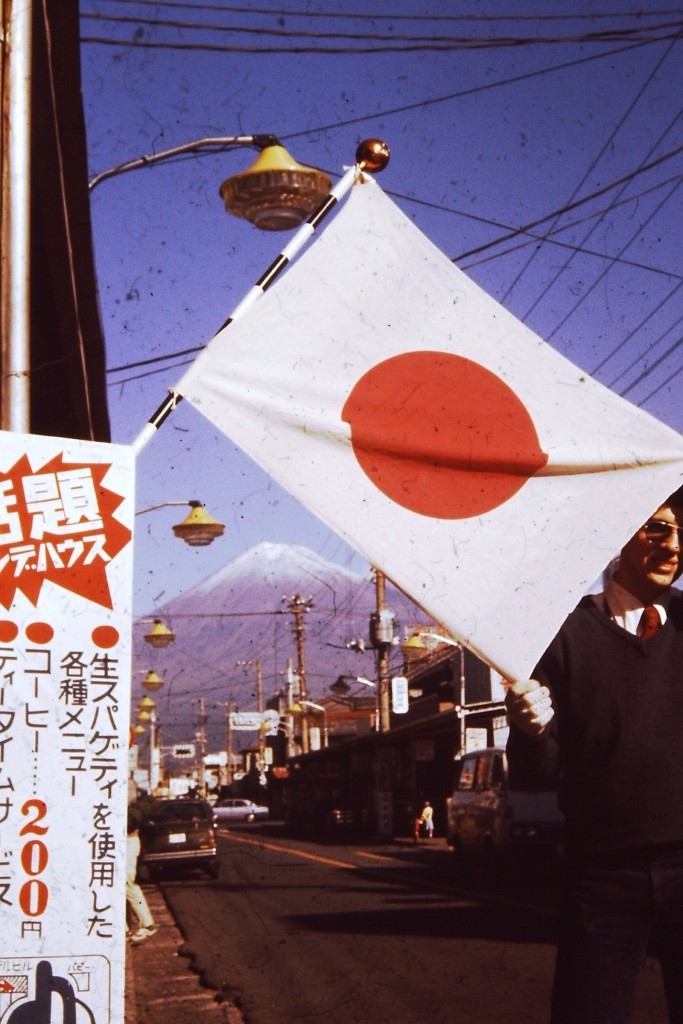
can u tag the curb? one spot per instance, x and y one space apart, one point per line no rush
161 984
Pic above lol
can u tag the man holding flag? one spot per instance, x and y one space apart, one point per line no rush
603 716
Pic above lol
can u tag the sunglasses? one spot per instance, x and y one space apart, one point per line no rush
656 531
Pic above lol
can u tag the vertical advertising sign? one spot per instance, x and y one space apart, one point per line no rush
65 627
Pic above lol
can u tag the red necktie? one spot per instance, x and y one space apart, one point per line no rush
649 622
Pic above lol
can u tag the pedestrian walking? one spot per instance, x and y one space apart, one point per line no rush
427 819
139 809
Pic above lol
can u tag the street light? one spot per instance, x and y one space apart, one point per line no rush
275 194
372 155
340 687
197 529
160 635
152 682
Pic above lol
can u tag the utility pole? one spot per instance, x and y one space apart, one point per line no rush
154 752
291 678
201 736
382 635
228 721
298 606
259 707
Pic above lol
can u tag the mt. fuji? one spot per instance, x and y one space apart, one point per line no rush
240 613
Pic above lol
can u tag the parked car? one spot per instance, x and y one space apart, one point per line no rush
181 834
485 817
235 809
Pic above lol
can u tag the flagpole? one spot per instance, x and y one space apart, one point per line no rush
371 155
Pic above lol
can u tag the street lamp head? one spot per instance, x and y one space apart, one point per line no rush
159 635
198 528
340 687
276 193
312 704
152 682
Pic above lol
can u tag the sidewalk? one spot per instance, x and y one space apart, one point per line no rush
161 987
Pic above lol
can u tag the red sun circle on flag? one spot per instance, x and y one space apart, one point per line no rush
441 435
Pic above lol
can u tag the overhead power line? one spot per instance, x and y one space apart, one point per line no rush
653 312
638 33
365 15
462 93
586 175
569 206
419 47
190 352
597 215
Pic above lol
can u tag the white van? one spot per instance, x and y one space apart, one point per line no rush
486 818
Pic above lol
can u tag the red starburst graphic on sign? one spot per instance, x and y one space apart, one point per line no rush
441 435
57 523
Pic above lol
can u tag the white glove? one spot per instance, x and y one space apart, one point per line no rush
529 706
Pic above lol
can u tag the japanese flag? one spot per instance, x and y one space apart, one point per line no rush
484 474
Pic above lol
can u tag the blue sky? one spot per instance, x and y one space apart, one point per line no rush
485 137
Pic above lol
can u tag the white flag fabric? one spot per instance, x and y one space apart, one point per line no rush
484 474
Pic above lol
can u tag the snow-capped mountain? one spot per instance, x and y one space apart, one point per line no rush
242 612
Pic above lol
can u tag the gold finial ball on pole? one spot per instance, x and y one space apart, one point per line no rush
372 155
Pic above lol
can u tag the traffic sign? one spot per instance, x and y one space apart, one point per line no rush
249 721
183 750
252 721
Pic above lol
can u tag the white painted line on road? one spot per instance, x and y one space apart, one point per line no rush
203 997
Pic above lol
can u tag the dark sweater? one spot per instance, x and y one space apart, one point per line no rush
615 745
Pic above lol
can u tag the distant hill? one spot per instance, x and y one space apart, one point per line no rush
239 613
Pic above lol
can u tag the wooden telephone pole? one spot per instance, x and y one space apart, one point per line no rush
298 606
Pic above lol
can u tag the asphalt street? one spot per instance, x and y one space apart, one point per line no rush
296 931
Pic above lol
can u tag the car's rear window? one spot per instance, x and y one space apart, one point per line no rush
181 810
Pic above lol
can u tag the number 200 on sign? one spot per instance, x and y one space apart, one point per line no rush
33 895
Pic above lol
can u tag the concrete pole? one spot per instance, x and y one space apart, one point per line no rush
16 227
297 606
228 720
259 708
383 685
202 747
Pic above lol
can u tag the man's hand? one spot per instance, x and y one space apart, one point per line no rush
529 706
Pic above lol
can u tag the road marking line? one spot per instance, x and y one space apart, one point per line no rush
203 997
287 849
455 892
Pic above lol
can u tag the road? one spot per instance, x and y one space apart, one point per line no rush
304 933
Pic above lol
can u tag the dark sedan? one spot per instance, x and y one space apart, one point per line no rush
181 834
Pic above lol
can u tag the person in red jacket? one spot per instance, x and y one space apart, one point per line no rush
603 718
